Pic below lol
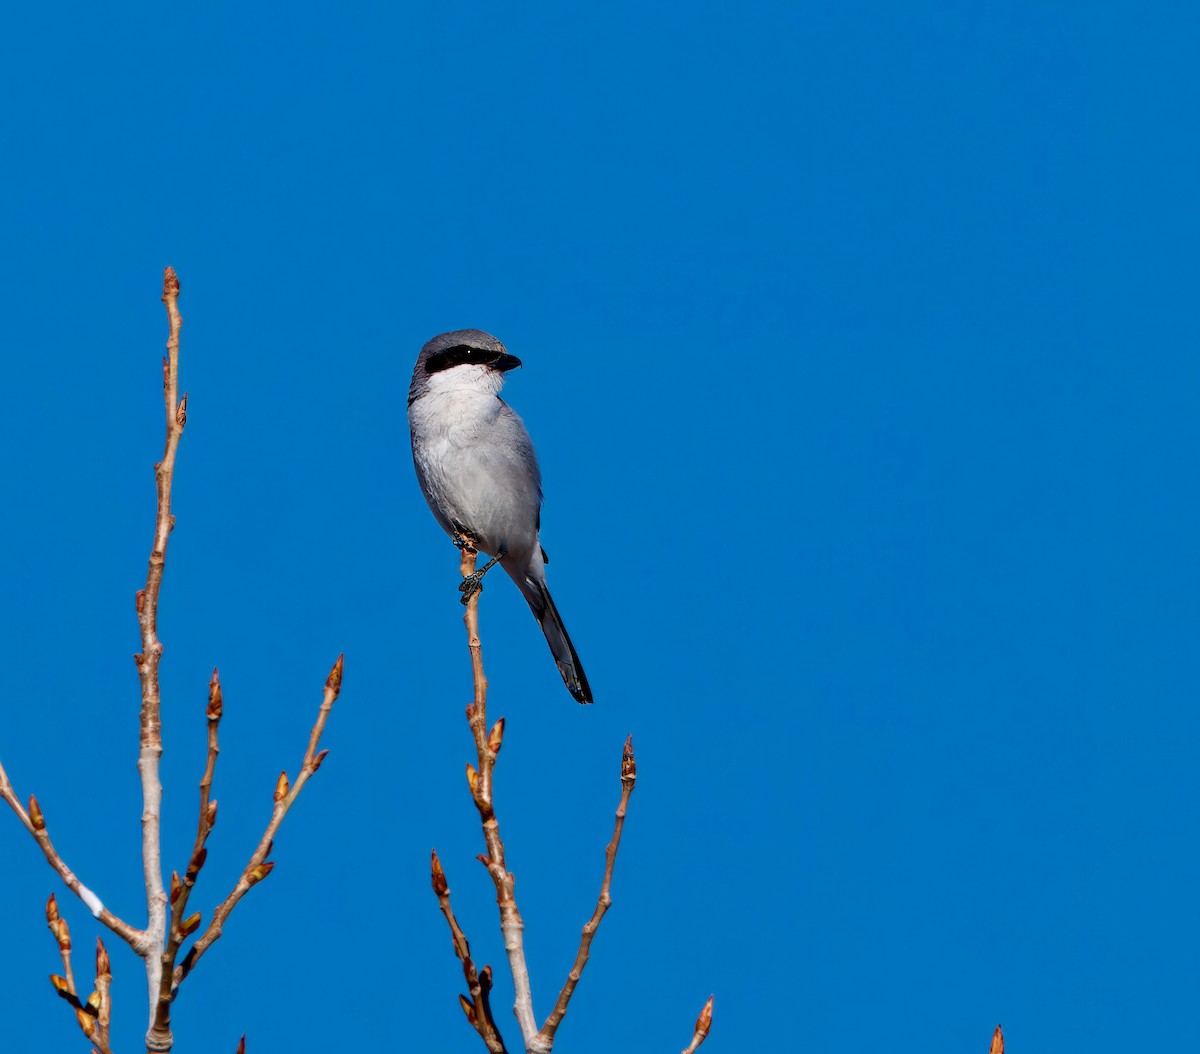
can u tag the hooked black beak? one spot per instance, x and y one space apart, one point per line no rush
505 363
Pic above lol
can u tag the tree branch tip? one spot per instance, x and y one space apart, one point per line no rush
103 966
997 1041
170 283
241 1047
704 1021
333 682
51 909
628 762
215 701
438 876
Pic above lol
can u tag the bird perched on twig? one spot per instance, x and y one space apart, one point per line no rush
479 473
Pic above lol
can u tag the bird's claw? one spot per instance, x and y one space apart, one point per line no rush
461 541
471 585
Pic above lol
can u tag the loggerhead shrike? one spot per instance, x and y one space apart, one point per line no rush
478 471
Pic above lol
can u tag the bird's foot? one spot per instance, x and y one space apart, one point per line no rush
473 583
461 541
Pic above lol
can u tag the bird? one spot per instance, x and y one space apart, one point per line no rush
479 473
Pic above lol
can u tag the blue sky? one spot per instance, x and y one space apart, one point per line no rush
860 357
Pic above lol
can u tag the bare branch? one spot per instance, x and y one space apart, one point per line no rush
486 748
36 825
258 866
180 927
703 1024
150 735
477 1007
628 778
104 994
62 936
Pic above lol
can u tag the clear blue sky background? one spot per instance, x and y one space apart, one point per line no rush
858 358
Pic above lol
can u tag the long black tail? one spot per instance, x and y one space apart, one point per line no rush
542 606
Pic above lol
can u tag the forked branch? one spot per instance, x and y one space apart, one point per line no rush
160 942
286 793
480 781
628 778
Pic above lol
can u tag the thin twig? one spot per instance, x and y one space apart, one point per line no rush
150 734
93 1016
62 936
259 866
476 1006
35 824
628 778
703 1024
182 926
103 991
487 745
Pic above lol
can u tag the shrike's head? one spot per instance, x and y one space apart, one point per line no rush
467 359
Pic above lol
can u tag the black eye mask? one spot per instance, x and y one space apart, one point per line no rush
464 354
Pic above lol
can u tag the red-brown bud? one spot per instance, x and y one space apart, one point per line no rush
51 909
215 702
485 979
103 966
628 763
62 933
468 1008
35 814
333 682
194 866
472 779
86 1022
211 816
281 787
496 736
440 886
176 886
704 1021
241 1047
189 925
259 873
997 1042
60 985
316 763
